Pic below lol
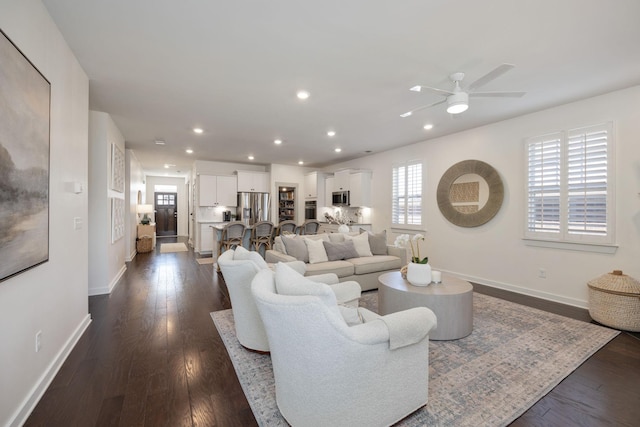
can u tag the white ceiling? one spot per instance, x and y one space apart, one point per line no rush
161 67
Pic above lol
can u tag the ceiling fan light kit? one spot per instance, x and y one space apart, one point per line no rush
457 103
457 99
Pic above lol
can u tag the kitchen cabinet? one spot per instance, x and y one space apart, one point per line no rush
206 238
314 187
341 180
254 182
217 190
328 197
360 189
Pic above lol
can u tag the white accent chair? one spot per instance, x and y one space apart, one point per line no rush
330 374
238 268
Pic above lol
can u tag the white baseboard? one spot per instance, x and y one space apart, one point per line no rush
38 390
525 291
131 256
108 289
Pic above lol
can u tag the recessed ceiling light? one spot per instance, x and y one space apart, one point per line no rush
301 162
277 141
428 126
250 157
198 130
189 151
331 133
159 142
169 165
302 94
337 150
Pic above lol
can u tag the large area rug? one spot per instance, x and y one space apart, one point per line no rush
514 356
173 247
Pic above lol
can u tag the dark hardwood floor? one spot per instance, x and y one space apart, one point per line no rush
152 357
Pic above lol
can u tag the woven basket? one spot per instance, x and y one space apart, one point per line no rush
144 244
614 300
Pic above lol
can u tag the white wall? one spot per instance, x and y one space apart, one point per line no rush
183 196
106 259
52 297
495 253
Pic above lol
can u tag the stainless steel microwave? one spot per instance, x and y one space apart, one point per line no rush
340 198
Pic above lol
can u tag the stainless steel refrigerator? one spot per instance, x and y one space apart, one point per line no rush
253 207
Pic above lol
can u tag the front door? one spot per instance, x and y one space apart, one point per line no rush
166 214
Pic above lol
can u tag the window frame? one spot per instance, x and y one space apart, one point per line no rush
395 204
563 238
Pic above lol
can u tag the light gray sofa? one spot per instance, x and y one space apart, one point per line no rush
362 269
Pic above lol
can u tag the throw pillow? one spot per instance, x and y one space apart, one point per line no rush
378 242
336 237
316 250
337 251
296 248
361 243
278 245
241 253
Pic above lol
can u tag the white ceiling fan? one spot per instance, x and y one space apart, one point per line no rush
458 99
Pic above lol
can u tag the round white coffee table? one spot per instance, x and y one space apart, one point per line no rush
451 301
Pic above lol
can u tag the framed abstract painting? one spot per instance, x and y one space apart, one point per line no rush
25 96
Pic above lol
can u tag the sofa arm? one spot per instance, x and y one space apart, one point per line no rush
273 256
399 252
398 329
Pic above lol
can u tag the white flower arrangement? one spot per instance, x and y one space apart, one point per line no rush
414 243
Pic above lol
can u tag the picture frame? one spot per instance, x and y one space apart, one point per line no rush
117 169
117 219
25 115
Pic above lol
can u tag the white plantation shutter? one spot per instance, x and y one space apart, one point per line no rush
543 206
587 166
569 189
407 194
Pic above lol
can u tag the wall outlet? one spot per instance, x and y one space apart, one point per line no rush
542 273
38 341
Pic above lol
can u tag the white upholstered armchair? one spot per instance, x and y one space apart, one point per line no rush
330 374
238 268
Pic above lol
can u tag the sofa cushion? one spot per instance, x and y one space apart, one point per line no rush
337 251
361 243
378 242
296 248
316 251
351 315
375 263
340 268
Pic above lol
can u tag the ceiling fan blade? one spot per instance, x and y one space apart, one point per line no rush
491 75
424 107
498 94
432 89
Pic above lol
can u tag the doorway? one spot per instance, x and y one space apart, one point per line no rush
166 205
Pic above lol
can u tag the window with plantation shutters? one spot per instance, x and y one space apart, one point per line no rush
407 194
569 187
